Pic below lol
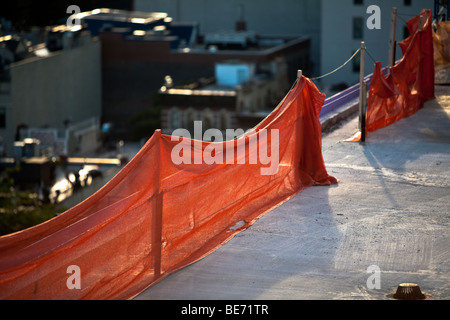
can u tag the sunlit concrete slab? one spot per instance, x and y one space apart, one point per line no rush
389 210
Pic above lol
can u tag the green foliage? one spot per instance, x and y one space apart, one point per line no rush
20 209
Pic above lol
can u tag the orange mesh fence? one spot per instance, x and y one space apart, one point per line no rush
410 82
441 42
155 216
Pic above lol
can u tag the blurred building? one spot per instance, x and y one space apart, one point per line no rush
140 49
344 26
50 91
239 96
336 28
285 18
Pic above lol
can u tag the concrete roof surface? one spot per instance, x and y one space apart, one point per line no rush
390 209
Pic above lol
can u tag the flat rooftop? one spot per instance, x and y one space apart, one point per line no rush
390 209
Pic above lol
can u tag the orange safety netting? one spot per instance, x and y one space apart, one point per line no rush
155 217
410 81
441 42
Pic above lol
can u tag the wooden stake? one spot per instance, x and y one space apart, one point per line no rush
362 93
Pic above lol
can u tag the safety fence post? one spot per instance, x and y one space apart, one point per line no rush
364 112
362 93
157 208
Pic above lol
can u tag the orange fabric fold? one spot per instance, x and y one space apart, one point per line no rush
155 217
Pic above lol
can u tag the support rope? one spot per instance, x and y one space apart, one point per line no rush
345 63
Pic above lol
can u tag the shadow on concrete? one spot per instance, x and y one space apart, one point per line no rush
390 209
412 149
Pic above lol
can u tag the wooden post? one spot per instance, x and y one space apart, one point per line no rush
392 42
364 112
157 231
362 92
157 208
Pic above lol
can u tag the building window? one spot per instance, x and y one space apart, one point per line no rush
224 120
2 117
405 32
357 2
356 61
407 2
242 76
175 119
358 27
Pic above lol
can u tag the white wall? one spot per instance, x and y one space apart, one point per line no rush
337 43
